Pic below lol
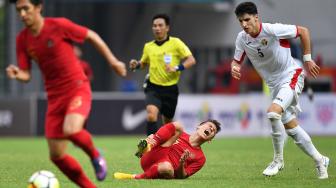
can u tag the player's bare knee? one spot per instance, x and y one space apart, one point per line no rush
166 170
56 153
275 108
69 130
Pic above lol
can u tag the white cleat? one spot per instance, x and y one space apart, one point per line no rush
273 168
322 168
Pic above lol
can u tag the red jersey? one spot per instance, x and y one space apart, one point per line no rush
196 160
52 50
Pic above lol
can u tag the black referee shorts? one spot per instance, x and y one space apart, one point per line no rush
163 97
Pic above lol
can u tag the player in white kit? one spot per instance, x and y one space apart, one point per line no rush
266 47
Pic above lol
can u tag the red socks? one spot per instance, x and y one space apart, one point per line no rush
71 168
151 173
164 133
83 140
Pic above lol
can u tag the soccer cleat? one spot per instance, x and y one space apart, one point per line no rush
100 167
123 176
143 147
273 168
322 168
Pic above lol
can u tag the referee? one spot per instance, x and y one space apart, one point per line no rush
166 57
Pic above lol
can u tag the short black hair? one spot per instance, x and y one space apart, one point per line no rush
215 122
246 8
34 2
163 16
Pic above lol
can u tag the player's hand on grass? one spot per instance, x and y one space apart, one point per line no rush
120 68
12 71
312 68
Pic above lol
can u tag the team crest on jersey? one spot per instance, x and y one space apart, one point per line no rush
264 42
76 103
50 43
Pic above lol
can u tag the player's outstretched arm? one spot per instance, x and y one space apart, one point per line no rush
105 51
235 70
304 35
14 72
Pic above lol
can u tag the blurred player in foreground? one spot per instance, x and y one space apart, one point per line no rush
172 153
48 41
267 48
167 57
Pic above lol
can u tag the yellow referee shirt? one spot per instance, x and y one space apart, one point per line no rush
172 52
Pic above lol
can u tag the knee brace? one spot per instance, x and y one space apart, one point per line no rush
273 115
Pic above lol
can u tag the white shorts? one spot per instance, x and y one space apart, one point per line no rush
287 95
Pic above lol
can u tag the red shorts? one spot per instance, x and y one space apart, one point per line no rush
154 156
75 101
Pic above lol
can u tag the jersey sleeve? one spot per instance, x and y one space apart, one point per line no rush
21 54
182 49
281 31
72 31
239 50
144 57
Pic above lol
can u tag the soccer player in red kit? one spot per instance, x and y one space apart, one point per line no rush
172 153
48 41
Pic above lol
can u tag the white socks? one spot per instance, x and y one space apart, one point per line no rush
278 138
302 139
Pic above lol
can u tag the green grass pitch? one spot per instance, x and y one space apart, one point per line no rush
231 162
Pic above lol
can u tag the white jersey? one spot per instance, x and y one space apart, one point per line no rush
269 52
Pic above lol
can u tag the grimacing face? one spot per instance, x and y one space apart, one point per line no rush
207 130
249 23
160 29
28 12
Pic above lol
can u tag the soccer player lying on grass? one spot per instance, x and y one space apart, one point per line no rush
172 153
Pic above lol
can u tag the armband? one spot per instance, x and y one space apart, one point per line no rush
138 65
179 67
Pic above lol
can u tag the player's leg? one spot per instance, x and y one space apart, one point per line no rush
278 140
281 100
153 105
169 99
293 129
162 170
149 163
74 121
73 129
304 142
67 164
152 117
